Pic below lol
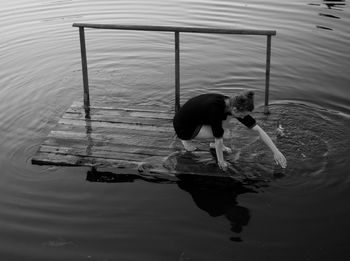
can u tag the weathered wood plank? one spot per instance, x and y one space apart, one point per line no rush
90 127
113 118
110 147
117 139
44 158
79 106
116 125
119 112
95 152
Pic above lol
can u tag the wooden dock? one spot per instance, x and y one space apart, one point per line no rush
139 141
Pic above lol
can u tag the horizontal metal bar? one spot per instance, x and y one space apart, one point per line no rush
177 29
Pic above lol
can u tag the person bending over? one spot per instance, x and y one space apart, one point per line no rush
202 117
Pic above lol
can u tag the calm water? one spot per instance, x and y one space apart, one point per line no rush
50 213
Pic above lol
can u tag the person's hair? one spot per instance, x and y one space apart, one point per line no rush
243 101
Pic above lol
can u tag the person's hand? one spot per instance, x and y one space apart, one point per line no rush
280 159
223 165
227 149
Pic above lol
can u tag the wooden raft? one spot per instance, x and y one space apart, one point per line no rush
107 137
137 141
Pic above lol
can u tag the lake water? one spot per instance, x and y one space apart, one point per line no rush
54 213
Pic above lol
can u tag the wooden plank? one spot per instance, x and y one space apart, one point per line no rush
95 152
113 118
44 158
78 106
68 137
102 130
121 112
117 125
119 146
118 111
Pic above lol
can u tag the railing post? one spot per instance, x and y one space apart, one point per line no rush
84 69
267 76
177 71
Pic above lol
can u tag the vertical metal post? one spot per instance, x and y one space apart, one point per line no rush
84 68
177 72
267 76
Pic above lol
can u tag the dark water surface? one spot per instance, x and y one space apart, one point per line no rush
302 213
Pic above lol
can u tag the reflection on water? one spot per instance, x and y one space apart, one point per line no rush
334 4
335 7
40 77
214 195
219 200
330 16
312 141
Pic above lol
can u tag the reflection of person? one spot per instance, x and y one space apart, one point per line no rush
218 200
202 117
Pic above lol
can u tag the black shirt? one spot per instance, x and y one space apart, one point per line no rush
206 109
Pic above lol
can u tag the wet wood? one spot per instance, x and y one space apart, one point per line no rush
108 137
140 140
84 68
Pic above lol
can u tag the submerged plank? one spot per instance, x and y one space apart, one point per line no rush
47 158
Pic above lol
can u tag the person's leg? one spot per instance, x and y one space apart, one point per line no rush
202 132
207 133
188 145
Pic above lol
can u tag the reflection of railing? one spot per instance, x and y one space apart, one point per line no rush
176 31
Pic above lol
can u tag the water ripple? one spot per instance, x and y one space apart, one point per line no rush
52 213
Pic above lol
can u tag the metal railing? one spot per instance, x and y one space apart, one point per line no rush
176 31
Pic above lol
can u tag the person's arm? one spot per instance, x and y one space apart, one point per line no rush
219 146
278 156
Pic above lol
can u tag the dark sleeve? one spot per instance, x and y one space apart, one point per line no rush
215 119
247 121
217 129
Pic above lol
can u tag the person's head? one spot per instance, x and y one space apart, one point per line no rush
242 103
